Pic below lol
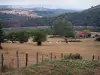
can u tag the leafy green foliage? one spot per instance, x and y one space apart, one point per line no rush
39 37
87 32
63 28
63 67
89 17
12 36
22 36
72 56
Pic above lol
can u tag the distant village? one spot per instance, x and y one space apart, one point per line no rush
21 13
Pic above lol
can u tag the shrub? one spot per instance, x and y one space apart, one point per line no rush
98 39
73 56
74 41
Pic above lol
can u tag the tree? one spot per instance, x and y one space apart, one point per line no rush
22 36
1 36
12 36
87 33
63 28
39 37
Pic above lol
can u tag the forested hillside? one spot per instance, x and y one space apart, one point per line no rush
89 17
10 20
52 12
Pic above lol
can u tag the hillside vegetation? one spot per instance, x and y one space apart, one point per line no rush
62 67
89 17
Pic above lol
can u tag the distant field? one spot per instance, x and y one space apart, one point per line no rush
86 48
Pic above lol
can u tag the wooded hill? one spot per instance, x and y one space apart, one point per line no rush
89 17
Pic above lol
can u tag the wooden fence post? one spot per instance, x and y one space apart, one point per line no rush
61 55
17 57
98 58
55 57
26 59
2 61
37 58
51 56
42 57
93 57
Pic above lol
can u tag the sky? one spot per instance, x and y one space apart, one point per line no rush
65 4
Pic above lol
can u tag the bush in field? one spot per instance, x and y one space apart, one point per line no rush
39 37
73 56
98 39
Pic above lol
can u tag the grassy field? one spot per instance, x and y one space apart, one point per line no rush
64 67
60 67
86 48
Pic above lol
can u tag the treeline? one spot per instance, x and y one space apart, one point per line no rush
10 20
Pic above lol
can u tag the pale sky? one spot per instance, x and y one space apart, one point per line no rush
66 4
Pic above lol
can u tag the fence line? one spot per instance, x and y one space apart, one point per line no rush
51 57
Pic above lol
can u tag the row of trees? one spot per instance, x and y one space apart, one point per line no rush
23 36
59 27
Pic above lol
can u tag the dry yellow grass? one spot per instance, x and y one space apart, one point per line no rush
86 48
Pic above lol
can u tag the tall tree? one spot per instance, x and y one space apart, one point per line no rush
1 36
63 28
